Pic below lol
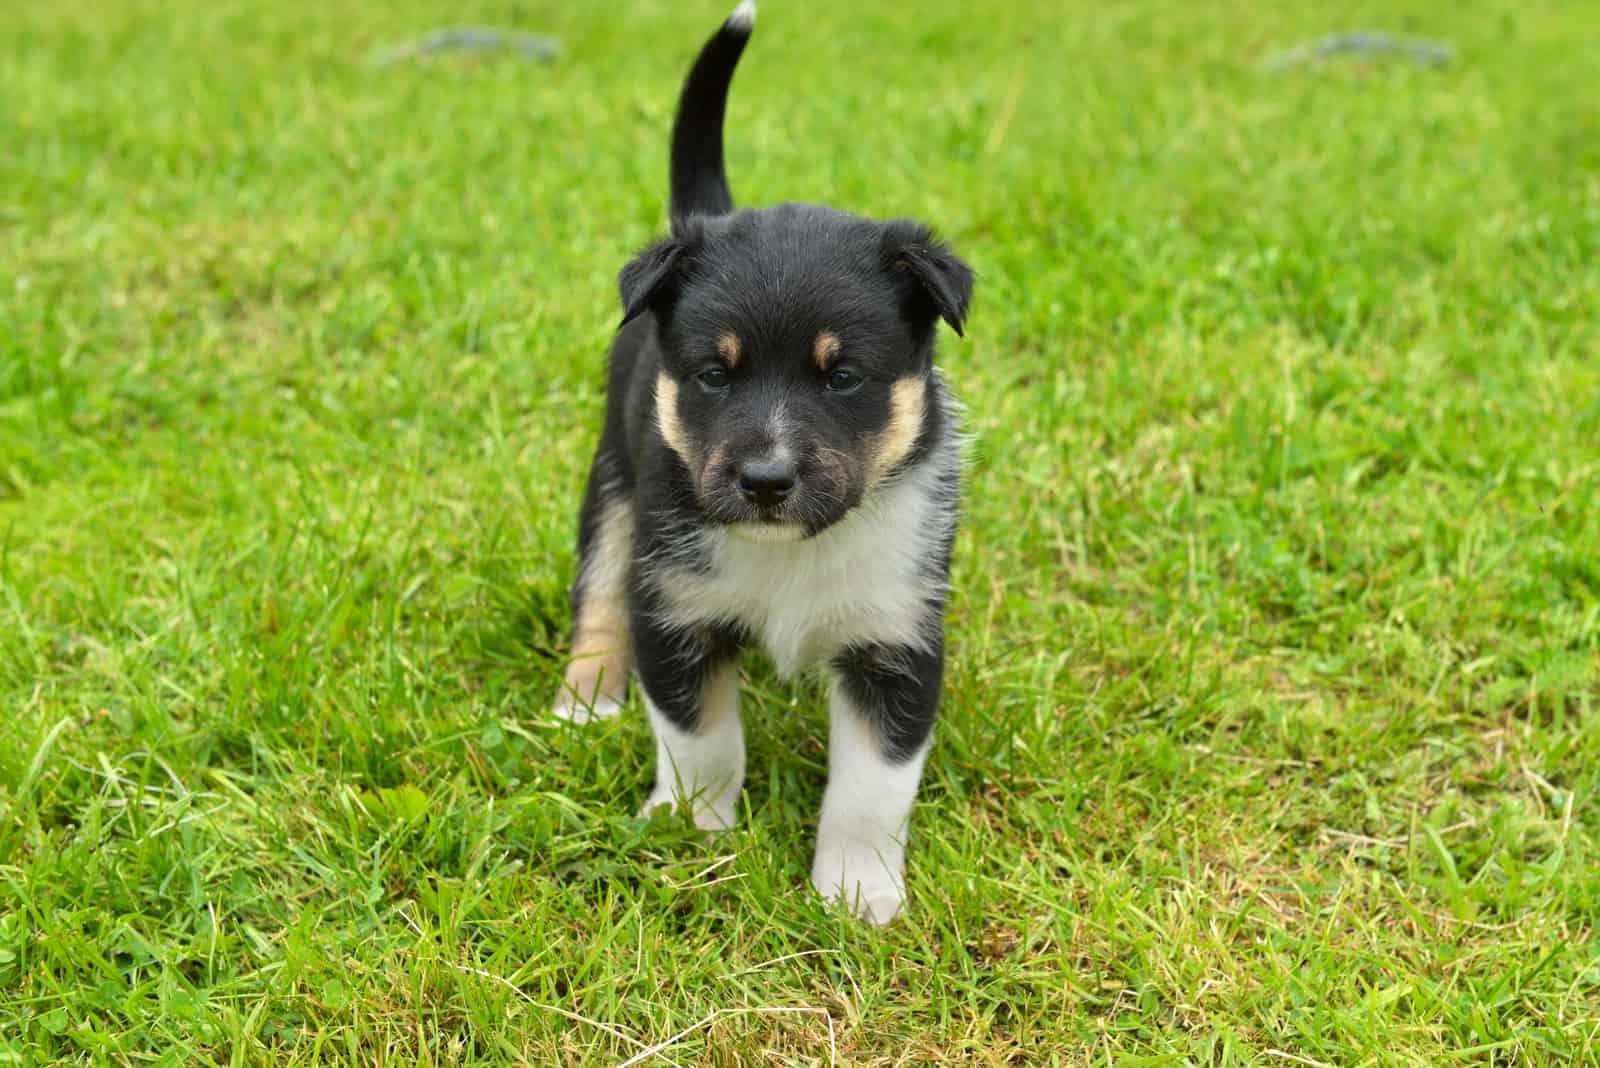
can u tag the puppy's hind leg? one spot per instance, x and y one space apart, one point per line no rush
596 681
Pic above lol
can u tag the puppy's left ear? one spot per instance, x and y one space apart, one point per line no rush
945 281
655 277
650 278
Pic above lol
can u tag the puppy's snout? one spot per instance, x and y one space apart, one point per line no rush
767 482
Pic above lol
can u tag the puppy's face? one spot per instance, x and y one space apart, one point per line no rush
797 349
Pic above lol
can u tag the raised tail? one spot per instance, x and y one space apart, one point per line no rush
699 184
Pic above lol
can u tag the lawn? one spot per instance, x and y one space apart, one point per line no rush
1270 733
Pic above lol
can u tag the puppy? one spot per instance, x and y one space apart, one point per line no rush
779 467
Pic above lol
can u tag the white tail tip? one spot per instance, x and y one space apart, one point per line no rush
743 17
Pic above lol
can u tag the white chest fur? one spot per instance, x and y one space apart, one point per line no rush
866 579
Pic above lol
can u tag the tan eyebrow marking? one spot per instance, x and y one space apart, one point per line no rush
728 346
826 349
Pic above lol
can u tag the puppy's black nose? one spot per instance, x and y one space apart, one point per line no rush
766 482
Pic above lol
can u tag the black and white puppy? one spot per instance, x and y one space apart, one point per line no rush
779 466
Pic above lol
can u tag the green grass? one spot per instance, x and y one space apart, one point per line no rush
1271 727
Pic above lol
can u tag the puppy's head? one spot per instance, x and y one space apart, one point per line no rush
798 347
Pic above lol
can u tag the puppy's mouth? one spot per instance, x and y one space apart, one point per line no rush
769 532
788 521
801 516
796 520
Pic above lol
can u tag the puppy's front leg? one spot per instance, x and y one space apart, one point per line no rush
880 722
691 689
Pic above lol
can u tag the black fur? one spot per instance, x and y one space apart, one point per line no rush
898 690
674 662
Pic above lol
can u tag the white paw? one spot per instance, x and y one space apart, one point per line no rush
718 814
861 879
568 707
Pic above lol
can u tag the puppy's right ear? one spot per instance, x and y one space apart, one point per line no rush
944 282
652 279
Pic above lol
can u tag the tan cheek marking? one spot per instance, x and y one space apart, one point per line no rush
908 400
599 666
718 458
826 349
728 346
667 417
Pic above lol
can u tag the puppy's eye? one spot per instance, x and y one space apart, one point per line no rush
713 378
844 380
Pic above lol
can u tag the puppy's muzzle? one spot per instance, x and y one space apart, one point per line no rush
767 482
